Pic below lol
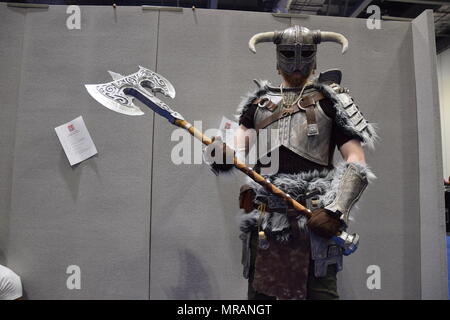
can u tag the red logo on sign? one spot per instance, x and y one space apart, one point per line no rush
71 127
227 125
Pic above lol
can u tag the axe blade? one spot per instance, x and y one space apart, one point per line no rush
131 110
115 95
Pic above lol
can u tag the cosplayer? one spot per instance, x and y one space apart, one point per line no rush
286 255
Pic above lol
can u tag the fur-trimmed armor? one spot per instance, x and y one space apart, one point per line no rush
292 129
334 188
304 125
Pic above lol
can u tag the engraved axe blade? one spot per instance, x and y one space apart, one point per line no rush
118 95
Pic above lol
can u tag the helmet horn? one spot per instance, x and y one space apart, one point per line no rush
334 37
260 37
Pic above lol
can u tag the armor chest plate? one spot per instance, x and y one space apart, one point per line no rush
291 131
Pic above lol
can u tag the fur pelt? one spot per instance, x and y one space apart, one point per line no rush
297 185
248 99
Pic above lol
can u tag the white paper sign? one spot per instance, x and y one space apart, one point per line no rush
76 141
228 129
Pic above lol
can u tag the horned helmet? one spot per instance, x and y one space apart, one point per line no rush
297 46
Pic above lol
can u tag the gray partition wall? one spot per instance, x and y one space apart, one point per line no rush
140 226
432 225
11 40
94 215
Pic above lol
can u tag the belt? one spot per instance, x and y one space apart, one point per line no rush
275 204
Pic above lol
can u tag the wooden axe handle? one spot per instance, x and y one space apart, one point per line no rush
249 172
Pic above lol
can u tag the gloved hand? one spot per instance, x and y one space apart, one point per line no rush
218 163
324 223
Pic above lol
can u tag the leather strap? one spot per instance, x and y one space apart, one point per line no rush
311 99
305 103
310 115
245 187
266 103
246 198
312 127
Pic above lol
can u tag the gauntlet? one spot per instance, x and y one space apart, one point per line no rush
212 152
324 223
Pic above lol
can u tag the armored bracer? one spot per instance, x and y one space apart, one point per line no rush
349 182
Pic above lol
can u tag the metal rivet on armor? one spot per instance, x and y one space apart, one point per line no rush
263 102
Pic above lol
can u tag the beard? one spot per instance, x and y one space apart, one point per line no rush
295 79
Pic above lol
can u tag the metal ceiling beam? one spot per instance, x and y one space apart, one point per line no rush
431 3
212 4
442 44
306 6
364 4
345 8
396 18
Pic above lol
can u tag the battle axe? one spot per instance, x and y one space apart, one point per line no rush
118 95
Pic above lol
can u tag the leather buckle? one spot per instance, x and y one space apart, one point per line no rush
307 101
313 129
287 112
